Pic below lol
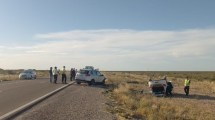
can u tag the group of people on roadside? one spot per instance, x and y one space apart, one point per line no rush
54 73
169 87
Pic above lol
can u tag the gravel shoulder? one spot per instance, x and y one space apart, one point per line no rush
76 102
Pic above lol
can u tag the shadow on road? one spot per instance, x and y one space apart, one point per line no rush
194 96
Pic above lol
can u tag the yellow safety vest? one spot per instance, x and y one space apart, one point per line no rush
187 82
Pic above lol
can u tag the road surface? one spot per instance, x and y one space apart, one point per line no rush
14 94
76 102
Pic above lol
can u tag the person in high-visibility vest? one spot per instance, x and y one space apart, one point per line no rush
55 73
64 75
187 86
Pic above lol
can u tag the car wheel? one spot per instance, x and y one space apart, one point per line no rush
103 82
92 82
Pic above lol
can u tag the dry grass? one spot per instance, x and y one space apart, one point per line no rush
9 77
131 100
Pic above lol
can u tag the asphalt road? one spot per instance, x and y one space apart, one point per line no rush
14 94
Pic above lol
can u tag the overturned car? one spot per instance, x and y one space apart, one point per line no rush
160 87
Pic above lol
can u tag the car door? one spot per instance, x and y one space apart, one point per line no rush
100 77
95 76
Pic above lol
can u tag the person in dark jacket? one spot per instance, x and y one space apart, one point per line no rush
50 74
72 74
169 89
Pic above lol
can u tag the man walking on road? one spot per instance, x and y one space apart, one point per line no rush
50 74
186 86
55 73
64 75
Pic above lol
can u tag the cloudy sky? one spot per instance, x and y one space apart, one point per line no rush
126 35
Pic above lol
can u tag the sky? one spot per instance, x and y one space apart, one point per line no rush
119 35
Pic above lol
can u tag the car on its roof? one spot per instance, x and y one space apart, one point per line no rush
90 75
28 74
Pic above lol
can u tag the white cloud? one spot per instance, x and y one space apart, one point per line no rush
119 49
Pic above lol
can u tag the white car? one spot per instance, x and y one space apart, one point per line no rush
28 74
89 75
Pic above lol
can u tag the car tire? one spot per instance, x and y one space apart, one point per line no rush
103 82
92 82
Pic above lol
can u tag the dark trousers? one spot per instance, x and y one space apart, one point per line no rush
72 77
51 77
168 91
55 78
186 90
64 78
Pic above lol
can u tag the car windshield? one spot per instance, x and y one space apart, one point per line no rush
84 72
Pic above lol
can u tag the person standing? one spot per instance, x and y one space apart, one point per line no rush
64 75
74 73
187 86
71 72
55 73
51 74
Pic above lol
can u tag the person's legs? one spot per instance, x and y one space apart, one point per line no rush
73 78
65 78
55 78
167 91
170 91
50 78
62 78
188 89
185 90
